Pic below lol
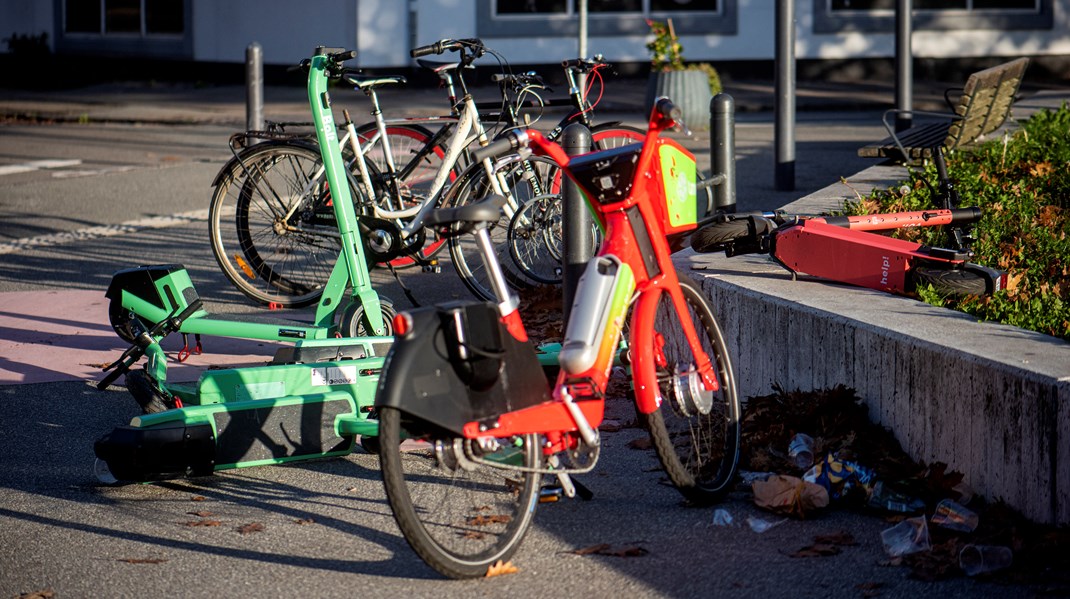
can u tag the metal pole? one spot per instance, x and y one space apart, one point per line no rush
784 96
582 5
904 63
576 226
254 87
723 152
582 79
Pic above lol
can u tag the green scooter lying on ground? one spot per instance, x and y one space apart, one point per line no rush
310 401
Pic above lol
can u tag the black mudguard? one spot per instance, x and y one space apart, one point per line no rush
428 378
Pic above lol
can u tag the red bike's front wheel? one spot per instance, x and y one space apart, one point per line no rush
462 505
695 432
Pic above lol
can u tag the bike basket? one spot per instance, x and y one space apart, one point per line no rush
677 175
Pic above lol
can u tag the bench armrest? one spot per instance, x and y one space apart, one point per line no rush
897 111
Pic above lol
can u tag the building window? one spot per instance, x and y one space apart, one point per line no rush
124 17
835 16
538 18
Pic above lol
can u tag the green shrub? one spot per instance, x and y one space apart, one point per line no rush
666 54
1022 185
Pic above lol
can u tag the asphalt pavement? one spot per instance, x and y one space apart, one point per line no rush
323 528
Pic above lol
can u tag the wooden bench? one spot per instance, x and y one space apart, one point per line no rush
983 107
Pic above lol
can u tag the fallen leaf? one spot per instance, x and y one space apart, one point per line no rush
607 549
250 528
591 549
499 568
204 522
198 498
640 443
488 520
201 514
817 550
148 560
43 594
841 538
304 521
870 589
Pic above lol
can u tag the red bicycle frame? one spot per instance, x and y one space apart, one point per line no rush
638 230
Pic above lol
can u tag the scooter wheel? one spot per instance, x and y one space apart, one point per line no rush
352 323
951 282
717 236
122 321
146 393
370 444
103 473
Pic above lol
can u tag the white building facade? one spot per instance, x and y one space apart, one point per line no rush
533 31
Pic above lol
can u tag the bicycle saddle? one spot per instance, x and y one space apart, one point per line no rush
368 82
440 67
486 211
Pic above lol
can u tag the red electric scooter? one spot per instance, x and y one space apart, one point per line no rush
846 249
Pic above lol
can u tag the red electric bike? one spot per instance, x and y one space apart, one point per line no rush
468 425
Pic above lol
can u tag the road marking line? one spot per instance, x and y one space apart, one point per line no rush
35 165
155 222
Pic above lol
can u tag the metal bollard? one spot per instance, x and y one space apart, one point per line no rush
723 152
254 87
576 226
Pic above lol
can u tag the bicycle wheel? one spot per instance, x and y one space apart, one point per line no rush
415 167
613 135
272 226
533 178
950 282
695 433
459 516
716 236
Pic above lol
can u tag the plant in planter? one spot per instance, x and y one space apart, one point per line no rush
690 86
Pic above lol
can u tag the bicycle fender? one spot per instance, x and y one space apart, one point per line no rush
457 363
235 166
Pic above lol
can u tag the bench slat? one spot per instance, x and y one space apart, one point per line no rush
983 107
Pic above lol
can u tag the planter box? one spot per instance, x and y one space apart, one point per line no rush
689 90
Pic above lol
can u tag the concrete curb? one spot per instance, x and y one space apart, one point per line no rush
991 401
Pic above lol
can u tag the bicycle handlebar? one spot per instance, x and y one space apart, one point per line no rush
442 46
507 143
585 65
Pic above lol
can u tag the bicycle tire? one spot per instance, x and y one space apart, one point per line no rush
460 517
271 262
536 244
699 452
526 185
716 236
950 282
416 170
613 135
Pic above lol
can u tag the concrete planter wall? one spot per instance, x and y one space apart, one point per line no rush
689 90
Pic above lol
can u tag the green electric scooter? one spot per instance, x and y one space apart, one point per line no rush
312 400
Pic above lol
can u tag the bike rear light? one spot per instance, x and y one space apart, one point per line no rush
402 324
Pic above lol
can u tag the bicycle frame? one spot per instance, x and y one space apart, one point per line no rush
636 248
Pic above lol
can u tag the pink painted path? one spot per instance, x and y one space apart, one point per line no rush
48 336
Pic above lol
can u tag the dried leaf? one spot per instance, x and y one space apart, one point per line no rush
817 550
250 528
841 538
870 589
499 568
201 514
42 594
149 560
607 549
640 443
488 520
304 521
203 522
198 498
